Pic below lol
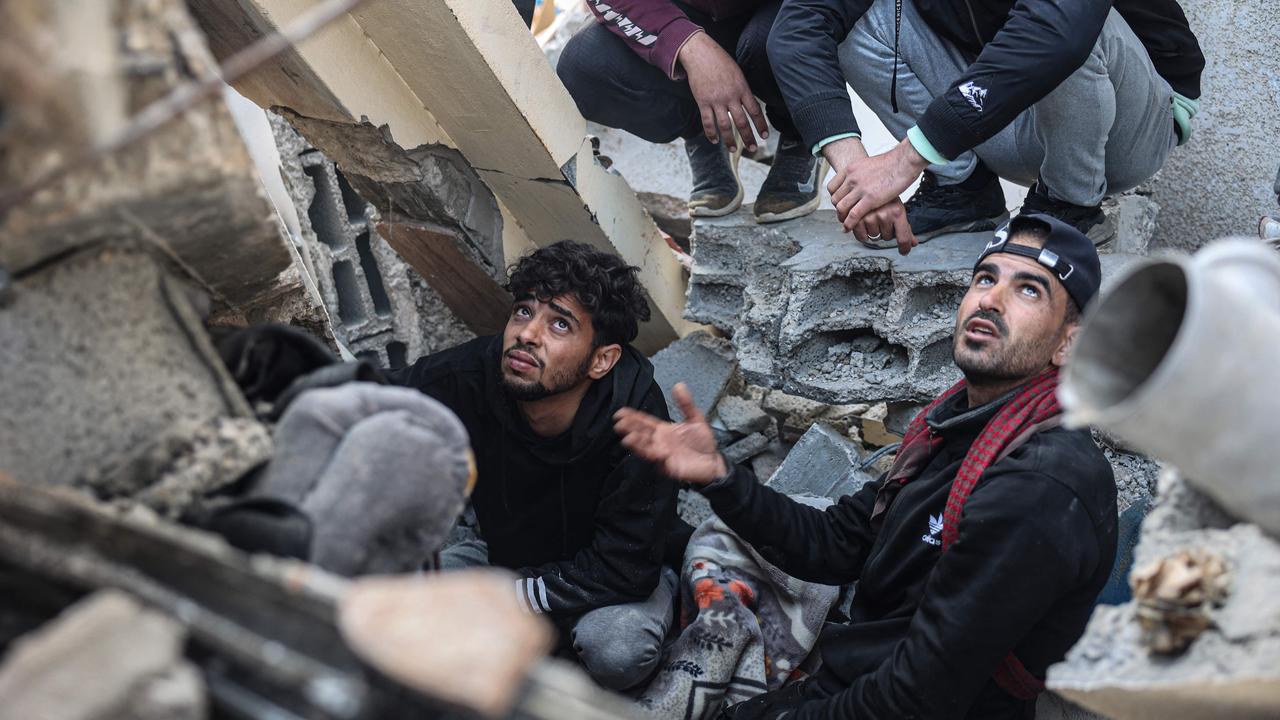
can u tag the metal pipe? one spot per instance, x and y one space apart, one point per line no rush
1182 361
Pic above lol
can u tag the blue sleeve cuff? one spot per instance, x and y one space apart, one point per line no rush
924 147
817 149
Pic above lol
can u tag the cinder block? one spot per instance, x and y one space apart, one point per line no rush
382 309
816 314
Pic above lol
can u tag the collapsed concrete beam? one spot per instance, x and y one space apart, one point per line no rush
814 313
463 74
189 189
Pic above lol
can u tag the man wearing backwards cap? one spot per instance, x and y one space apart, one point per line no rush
980 553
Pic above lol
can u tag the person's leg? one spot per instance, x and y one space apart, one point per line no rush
355 459
793 187
615 87
620 645
389 497
751 52
963 195
1108 127
464 555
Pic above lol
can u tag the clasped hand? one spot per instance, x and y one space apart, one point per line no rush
865 190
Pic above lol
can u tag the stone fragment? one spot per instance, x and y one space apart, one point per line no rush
746 448
823 464
767 463
742 416
1134 217
797 414
692 507
105 658
900 414
874 430
702 362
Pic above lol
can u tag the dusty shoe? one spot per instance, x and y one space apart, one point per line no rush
793 187
716 188
1089 220
1269 229
937 209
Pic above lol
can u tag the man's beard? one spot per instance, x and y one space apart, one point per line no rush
1013 359
559 381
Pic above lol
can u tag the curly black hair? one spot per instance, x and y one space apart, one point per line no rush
602 283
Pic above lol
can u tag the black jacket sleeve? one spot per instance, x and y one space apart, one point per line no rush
623 563
822 546
1026 540
1041 44
803 52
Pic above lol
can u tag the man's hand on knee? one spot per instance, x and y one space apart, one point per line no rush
865 189
721 91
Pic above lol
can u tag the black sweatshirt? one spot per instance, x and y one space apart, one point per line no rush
927 630
579 519
1022 50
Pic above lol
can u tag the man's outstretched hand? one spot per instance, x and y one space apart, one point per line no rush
685 452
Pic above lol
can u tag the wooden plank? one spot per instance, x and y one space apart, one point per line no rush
475 297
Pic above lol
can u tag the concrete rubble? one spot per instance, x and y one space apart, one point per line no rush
1229 668
383 310
816 314
104 658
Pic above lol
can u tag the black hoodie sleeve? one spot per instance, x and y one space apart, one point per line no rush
623 563
1026 541
1041 44
822 546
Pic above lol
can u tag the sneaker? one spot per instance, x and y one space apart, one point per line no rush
1269 229
938 209
1089 220
717 190
793 187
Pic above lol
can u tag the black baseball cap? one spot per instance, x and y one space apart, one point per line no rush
1068 253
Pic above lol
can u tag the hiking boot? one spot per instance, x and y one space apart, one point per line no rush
975 205
716 188
1089 220
793 187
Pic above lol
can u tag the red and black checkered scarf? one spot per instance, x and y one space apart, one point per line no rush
1033 408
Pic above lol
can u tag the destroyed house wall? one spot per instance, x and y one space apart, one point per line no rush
382 309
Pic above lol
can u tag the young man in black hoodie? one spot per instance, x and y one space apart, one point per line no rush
979 555
558 500
1077 98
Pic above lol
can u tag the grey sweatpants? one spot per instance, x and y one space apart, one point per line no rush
619 645
380 471
1106 129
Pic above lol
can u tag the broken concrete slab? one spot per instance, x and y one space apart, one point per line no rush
702 362
815 313
186 188
104 658
460 73
103 355
823 464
